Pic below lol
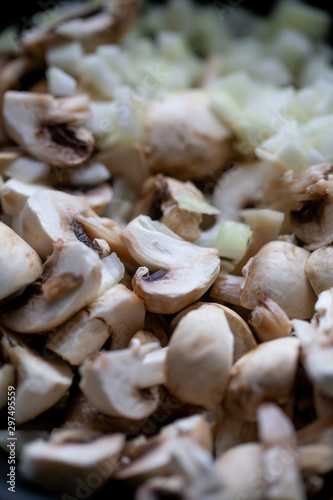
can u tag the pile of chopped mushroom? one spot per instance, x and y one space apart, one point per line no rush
166 249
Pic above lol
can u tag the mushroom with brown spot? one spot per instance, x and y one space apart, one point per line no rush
173 284
44 127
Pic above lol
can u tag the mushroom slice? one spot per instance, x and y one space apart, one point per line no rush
173 284
42 126
269 321
319 431
117 313
227 288
319 269
20 265
247 459
315 458
266 225
40 383
267 373
183 138
7 379
277 435
97 197
124 383
195 427
14 194
66 466
199 358
241 186
71 279
49 215
277 271
160 198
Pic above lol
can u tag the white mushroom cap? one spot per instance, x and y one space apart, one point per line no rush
199 358
266 373
117 313
40 383
124 382
7 379
20 265
39 123
183 138
71 279
277 271
174 285
61 467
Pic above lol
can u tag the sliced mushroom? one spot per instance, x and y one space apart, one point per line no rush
266 225
117 313
318 431
227 288
10 75
67 466
315 459
199 358
183 138
49 215
7 379
246 458
91 24
20 265
40 383
319 267
173 285
269 321
71 279
159 199
279 455
277 271
43 126
267 373
240 187
124 383
195 427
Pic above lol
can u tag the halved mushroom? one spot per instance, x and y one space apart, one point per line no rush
267 373
195 427
266 225
49 215
160 198
277 271
92 25
227 288
279 455
124 383
117 313
246 458
65 467
199 358
269 321
191 476
241 186
43 126
40 383
319 267
183 138
71 279
20 265
7 379
173 284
